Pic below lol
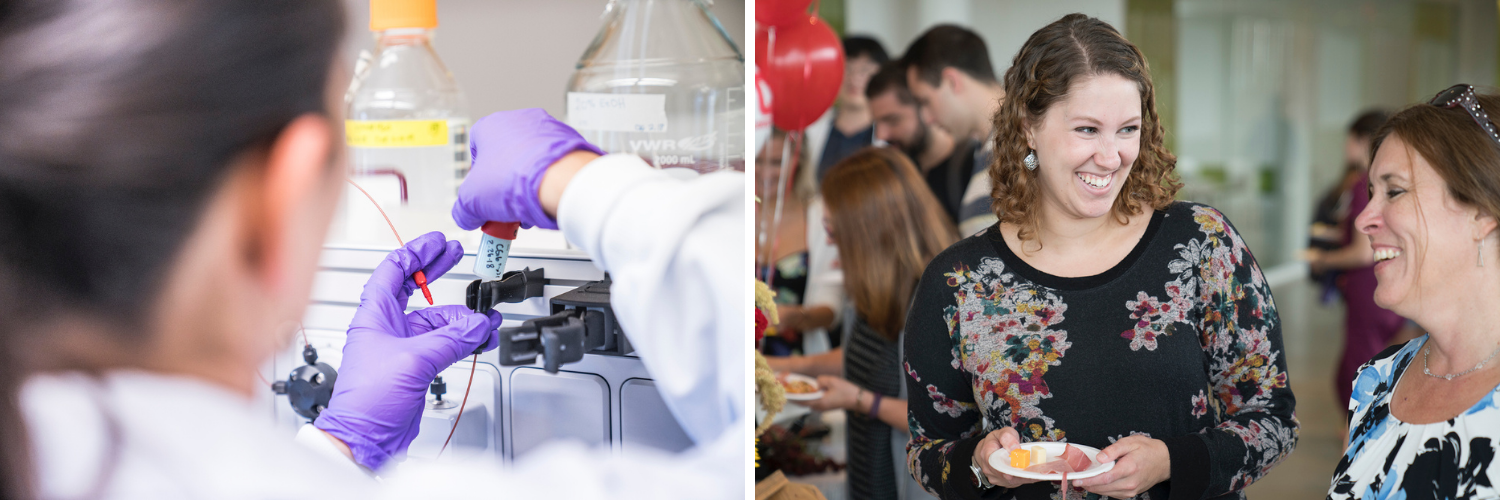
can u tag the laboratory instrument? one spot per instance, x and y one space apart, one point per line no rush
606 398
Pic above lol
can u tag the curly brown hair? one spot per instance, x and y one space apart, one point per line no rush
1053 58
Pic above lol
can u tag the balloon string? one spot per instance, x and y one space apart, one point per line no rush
769 222
791 151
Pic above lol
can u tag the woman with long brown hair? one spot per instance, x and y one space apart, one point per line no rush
888 225
1098 311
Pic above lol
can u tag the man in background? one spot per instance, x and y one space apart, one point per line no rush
948 70
851 128
946 163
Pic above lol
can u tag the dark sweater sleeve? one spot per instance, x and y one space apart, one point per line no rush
1246 361
946 425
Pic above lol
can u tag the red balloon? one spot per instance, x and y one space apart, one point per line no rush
804 64
780 12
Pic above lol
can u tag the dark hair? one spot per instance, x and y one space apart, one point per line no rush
1052 60
889 226
855 46
1463 154
949 46
1368 123
890 78
119 119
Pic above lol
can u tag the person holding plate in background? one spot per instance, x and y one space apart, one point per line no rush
1098 311
888 226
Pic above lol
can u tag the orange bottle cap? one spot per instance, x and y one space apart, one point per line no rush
502 230
391 14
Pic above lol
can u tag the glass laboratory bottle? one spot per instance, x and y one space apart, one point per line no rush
407 132
662 80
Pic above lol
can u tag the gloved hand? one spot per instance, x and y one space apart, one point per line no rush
511 150
390 356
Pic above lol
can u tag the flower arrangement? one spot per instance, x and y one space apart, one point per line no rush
768 390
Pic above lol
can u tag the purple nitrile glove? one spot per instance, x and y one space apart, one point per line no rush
391 356
511 150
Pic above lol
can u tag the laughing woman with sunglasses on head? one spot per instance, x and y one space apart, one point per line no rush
1425 416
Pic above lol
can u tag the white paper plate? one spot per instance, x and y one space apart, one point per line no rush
809 396
1000 461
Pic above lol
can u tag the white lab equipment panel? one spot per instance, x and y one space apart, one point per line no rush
645 420
565 405
475 433
604 400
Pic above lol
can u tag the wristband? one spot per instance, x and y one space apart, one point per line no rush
875 406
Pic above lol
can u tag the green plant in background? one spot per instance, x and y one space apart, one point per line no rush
1214 173
1152 26
1268 176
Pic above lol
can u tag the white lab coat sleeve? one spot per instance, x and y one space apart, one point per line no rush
675 250
316 441
825 279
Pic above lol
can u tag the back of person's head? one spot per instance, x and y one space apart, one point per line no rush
1368 123
889 226
891 78
1053 60
1461 152
949 46
863 46
119 120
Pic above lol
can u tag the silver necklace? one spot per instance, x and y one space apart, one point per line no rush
1451 376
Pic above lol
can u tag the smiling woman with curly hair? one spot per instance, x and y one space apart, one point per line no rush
1098 311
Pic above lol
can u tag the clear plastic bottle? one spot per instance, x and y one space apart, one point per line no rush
664 81
407 132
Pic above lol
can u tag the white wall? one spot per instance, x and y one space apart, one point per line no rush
1004 24
509 54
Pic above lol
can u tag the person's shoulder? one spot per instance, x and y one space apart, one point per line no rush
966 253
1395 354
977 245
1377 377
1186 217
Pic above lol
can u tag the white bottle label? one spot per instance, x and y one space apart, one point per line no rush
617 112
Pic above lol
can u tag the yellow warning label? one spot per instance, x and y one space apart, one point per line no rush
395 133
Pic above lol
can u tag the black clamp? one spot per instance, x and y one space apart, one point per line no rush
560 339
582 322
593 297
310 386
512 287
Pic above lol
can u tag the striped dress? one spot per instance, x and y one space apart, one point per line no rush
877 452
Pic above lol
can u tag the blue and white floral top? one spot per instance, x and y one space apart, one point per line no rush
1388 458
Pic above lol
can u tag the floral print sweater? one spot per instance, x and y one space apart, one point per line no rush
1179 342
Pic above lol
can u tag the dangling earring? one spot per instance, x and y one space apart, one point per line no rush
1481 253
1030 160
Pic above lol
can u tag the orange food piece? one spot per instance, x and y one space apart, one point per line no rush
799 387
1020 459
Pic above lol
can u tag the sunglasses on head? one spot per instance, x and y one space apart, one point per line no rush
1462 96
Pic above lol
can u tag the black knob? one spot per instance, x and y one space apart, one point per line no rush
438 388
